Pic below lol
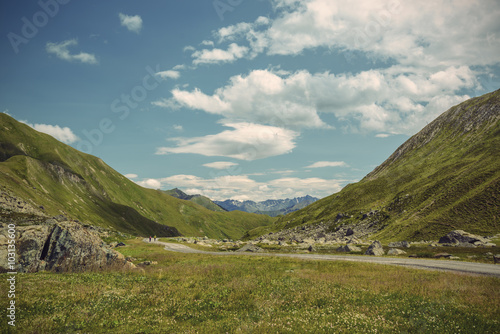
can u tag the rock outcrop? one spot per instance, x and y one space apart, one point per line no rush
464 239
61 247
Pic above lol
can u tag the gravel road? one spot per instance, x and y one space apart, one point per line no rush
446 265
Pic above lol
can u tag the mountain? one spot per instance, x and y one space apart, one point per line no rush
270 207
49 178
198 199
446 177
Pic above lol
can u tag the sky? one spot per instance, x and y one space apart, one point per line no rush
243 99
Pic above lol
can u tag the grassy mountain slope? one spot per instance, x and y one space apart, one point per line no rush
445 177
44 172
198 199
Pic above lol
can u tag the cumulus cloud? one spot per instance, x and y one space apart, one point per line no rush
63 134
170 74
321 164
242 187
442 32
62 52
131 176
216 56
246 141
220 164
261 97
396 99
132 23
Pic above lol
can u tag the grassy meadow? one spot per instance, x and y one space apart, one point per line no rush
198 293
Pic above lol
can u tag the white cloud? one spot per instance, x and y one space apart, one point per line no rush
395 100
63 134
438 33
220 164
260 97
245 142
382 135
132 23
242 187
216 56
321 164
62 52
131 176
170 74
150 183
179 128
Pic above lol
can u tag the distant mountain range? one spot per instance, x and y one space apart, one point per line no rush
270 207
198 199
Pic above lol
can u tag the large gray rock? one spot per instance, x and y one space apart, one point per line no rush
395 251
462 237
62 247
375 249
348 248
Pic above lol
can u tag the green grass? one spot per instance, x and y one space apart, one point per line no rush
444 178
36 167
196 293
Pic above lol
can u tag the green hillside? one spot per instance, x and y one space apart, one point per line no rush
444 178
198 199
42 171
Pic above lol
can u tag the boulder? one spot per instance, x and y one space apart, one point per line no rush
250 248
349 232
400 244
496 258
311 248
62 247
375 249
348 249
462 237
395 251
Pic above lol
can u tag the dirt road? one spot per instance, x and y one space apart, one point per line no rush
447 265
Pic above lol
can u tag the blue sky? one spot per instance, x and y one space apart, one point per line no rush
243 99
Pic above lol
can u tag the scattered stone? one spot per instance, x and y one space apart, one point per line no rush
349 232
496 258
251 248
120 244
311 248
147 263
400 244
375 249
395 251
442 255
348 249
454 258
130 259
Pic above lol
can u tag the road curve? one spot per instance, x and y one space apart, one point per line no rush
446 265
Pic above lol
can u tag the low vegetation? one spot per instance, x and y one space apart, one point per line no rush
198 293
446 177
56 179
